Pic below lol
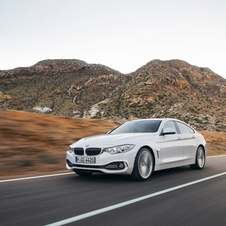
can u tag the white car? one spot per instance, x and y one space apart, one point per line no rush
138 148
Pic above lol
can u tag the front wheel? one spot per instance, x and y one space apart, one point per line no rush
200 160
143 165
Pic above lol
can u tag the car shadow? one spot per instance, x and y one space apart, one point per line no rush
166 172
101 178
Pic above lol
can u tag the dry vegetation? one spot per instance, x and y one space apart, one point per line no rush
32 144
216 142
35 144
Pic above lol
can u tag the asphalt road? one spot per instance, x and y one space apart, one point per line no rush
48 200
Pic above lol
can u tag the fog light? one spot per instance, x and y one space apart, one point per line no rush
121 165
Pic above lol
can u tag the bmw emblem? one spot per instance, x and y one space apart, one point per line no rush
87 145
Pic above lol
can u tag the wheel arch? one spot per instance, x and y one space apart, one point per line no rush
197 165
201 145
153 155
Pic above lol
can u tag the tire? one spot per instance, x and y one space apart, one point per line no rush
83 174
143 165
200 159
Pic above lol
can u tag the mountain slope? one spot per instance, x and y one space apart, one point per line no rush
56 84
158 89
172 89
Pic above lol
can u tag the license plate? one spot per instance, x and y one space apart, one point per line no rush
85 159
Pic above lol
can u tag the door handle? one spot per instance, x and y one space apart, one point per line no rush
179 138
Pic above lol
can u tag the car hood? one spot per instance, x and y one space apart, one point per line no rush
108 140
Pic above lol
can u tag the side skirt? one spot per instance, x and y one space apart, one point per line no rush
174 164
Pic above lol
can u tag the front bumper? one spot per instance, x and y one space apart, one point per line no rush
105 163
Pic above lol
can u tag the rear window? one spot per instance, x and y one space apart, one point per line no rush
184 129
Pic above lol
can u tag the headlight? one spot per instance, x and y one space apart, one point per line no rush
70 149
119 149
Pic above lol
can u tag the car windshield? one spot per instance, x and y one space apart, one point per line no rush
144 126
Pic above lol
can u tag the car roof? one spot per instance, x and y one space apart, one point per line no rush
161 119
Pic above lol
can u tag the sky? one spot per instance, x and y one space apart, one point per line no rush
121 34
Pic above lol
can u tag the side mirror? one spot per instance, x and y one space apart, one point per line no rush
168 131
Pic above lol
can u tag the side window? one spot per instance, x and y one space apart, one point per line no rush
170 124
191 130
183 128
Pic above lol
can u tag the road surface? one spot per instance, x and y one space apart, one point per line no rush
177 196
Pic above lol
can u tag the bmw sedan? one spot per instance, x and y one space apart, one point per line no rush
137 148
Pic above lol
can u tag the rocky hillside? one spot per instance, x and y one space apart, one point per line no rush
62 87
158 89
171 89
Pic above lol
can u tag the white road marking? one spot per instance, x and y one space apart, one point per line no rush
35 177
122 204
215 156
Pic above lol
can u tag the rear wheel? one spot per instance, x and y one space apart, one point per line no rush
200 159
143 165
83 174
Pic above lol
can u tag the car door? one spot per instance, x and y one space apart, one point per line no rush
171 145
188 137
